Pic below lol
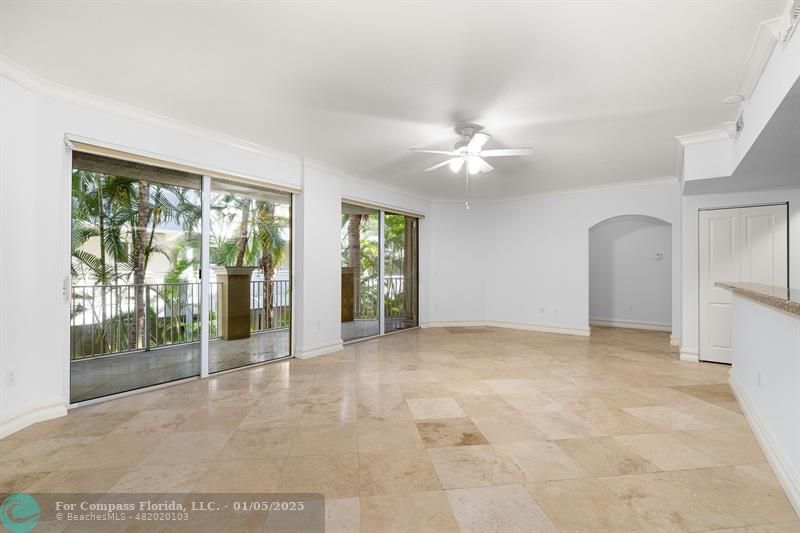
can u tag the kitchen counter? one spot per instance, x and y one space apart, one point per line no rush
778 297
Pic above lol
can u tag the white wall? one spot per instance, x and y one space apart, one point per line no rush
35 225
690 206
764 376
628 284
460 260
525 262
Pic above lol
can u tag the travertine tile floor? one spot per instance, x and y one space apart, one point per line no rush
472 429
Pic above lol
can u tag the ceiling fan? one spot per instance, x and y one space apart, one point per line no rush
469 154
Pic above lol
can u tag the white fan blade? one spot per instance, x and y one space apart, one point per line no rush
485 167
505 152
440 165
477 142
442 152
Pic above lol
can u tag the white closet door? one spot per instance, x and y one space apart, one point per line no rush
749 245
719 251
764 245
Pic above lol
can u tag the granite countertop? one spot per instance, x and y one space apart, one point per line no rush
778 297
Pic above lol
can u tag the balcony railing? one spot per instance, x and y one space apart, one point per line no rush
114 319
394 298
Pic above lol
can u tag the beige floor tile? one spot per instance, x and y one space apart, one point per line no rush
393 435
116 451
160 478
541 460
747 492
615 421
432 408
498 509
468 388
562 424
154 420
424 390
511 386
473 466
618 401
450 432
333 412
90 480
668 418
580 505
396 471
605 456
667 451
187 447
325 439
334 476
342 515
414 512
241 476
505 429
669 505
214 419
729 446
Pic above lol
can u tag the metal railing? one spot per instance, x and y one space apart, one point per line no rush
114 319
264 317
394 298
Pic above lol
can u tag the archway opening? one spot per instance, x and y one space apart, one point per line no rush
630 273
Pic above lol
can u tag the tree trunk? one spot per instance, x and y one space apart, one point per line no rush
354 259
268 270
139 235
244 231
101 215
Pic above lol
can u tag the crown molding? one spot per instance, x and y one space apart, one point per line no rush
718 134
47 88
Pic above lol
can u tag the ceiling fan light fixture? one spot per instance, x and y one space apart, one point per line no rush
456 164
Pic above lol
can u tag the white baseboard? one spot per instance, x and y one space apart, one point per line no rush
31 416
630 324
543 328
674 341
689 356
319 350
776 456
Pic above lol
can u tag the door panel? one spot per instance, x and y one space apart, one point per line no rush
748 245
764 246
718 262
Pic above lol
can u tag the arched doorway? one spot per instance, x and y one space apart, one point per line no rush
630 273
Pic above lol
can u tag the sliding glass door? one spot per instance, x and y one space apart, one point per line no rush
379 260
400 270
360 238
249 253
140 237
135 309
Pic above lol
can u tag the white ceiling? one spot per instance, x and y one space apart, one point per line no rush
599 88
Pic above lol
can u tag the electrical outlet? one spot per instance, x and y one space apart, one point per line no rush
11 378
319 325
541 310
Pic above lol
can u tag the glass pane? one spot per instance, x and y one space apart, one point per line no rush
135 307
250 302
360 261
400 272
